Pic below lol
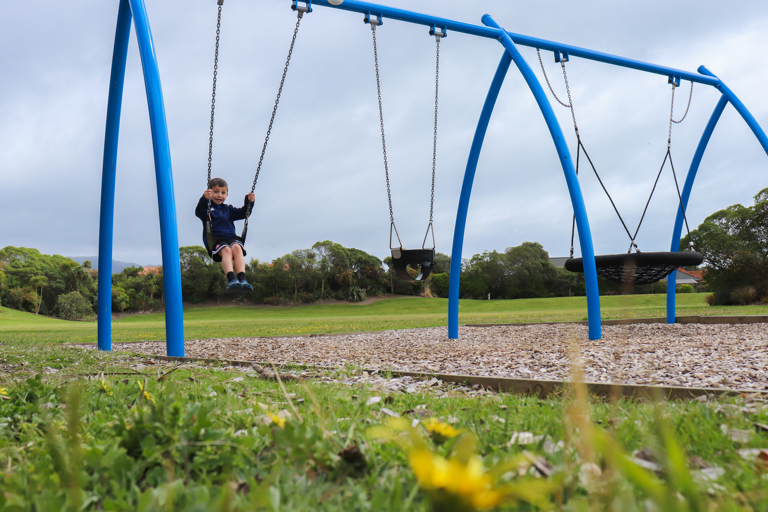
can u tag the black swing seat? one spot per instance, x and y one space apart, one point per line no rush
638 267
401 258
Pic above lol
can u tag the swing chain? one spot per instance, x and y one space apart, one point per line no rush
213 101
568 90
690 95
546 78
213 93
277 100
381 122
434 139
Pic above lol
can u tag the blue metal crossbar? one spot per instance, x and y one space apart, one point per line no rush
518 39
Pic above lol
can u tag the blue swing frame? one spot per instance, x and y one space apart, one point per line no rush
510 41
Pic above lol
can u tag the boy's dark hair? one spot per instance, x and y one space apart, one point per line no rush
218 182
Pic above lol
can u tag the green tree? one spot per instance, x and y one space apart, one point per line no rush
21 265
323 262
531 273
300 266
734 243
442 264
38 282
439 284
201 277
73 306
491 266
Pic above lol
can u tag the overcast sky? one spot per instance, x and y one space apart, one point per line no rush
323 175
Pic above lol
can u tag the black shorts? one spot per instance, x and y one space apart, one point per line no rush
218 245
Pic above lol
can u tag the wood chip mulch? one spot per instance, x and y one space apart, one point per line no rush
698 355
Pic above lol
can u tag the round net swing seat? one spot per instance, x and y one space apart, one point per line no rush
638 267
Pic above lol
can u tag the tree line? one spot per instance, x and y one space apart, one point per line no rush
58 286
734 242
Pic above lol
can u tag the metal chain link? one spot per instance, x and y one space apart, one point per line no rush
277 101
213 105
434 139
546 78
381 122
430 226
568 91
690 95
213 93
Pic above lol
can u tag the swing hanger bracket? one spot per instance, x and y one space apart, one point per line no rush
438 32
674 80
297 6
373 19
220 2
561 56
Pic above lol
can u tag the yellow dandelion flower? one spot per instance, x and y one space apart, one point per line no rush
439 430
4 391
104 388
468 482
277 420
149 397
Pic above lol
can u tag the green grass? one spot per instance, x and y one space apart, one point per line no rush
199 443
400 313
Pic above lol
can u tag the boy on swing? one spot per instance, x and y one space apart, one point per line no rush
227 247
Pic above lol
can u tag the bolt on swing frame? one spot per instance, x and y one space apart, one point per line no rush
491 30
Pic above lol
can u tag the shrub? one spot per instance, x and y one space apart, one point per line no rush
685 288
744 295
356 294
73 306
438 283
710 299
23 299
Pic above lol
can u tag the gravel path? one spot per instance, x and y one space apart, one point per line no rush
732 356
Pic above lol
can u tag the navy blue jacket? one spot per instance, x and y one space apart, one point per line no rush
223 218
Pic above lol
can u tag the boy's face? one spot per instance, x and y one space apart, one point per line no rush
219 194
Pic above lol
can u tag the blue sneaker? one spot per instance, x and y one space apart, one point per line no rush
246 286
234 286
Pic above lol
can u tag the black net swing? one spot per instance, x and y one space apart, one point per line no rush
409 264
300 10
631 268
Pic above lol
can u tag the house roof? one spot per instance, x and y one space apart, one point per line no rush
697 274
150 270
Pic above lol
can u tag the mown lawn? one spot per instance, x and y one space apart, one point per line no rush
400 313
88 431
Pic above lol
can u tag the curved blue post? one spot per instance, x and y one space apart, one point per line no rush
466 191
174 315
579 209
109 167
685 195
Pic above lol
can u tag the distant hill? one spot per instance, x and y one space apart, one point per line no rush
117 266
